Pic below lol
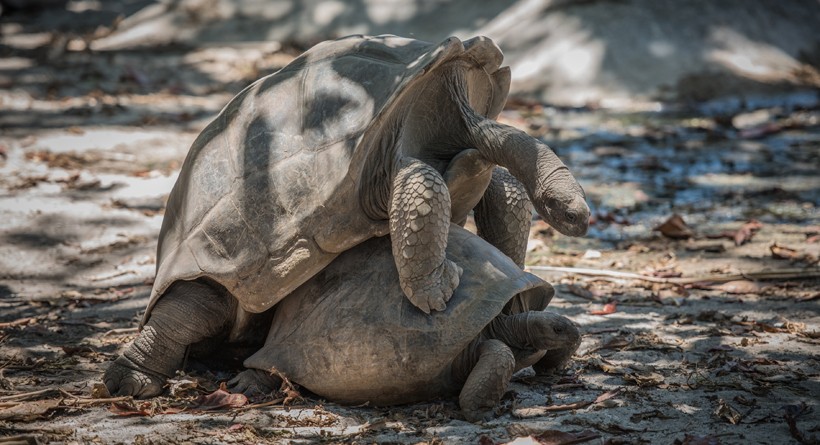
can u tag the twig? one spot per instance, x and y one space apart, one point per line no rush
756 275
26 395
120 331
542 410
261 405
20 322
92 402
24 439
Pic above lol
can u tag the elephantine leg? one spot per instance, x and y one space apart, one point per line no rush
504 214
487 381
189 312
419 223
254 381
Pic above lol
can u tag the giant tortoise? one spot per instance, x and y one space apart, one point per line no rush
356 138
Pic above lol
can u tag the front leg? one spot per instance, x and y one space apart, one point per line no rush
504 214
188 313
419 223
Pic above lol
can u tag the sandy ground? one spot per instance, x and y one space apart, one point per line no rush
91 145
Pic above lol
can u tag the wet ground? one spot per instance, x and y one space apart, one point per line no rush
697 287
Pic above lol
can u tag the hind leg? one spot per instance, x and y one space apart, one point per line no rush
189 312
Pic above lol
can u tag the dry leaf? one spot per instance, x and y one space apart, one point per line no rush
675 227
739 287
725 412
745 233
219 399
788 253
29 411
609 308
127 409
644 379
100 391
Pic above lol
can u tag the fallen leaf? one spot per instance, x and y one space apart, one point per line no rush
726 412
644 379
745 233
608 308
29 411
788 253
675 227
181 387
126 409
739 287
100 391
219 399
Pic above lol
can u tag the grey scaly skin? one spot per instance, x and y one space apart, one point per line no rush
419 208
504 214
353 140
190 313
509 343
484 368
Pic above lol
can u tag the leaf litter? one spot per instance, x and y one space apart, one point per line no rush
699 332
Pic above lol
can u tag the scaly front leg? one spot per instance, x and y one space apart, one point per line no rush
419 223
504 214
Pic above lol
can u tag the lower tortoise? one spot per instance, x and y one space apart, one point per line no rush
350 335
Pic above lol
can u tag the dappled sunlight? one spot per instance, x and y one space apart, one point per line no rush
703 332
756 60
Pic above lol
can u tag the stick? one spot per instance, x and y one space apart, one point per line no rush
756 275
120 331
26 395
261 405
537 411
20 322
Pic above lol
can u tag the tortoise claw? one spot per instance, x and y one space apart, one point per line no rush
125 378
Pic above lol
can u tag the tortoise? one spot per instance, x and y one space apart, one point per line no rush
356 138
350 336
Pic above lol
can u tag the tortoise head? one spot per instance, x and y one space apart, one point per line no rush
549 331
554 192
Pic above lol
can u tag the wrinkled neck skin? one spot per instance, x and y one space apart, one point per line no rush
519 332
527 338
554 192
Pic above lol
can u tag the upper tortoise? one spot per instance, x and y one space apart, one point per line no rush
356 138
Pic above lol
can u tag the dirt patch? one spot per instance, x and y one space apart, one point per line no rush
700 328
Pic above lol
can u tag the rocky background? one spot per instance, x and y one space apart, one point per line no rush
692 126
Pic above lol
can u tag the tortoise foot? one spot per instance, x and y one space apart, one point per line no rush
253 382
433 291
126 378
